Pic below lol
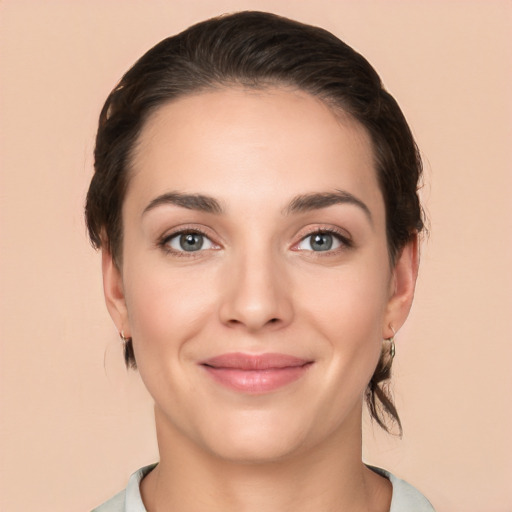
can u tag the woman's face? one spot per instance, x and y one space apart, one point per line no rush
255 277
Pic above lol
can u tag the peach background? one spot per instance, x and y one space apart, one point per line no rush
74 423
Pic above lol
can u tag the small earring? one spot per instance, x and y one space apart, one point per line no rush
391 341
391 347
123 337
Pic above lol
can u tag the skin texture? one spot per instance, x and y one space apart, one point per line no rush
257 286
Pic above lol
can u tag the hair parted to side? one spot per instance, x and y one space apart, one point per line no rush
258 50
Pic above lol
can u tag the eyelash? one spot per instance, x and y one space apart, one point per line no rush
343 239
163 243
346 242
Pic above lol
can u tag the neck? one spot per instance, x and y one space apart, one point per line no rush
189 478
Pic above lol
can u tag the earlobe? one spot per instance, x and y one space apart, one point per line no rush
403 283
114 292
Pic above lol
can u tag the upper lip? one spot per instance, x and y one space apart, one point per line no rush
240 361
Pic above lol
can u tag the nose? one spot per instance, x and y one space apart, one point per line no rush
256 294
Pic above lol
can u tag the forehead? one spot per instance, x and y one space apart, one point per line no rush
240 143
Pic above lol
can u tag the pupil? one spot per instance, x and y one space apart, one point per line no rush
191 242
321 242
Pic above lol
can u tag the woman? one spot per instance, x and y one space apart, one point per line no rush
255 201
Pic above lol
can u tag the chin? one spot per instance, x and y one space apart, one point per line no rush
255 438
257 449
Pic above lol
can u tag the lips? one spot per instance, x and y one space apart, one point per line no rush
255 374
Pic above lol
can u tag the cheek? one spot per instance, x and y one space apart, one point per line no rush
351 300
348 311
167 307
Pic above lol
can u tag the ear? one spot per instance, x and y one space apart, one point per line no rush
402 285
114 292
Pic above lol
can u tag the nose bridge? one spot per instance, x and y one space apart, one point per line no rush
256 295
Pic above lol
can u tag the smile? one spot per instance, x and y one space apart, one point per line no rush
255 374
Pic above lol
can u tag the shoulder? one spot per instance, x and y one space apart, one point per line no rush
406 498
128 500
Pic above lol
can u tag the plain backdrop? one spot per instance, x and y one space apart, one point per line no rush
74 423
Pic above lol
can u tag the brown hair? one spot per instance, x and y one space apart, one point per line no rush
258 50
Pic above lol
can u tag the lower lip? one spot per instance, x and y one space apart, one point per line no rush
257 381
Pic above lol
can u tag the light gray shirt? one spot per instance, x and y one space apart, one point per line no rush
405 497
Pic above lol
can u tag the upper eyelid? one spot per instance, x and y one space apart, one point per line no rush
342 233
180 230
177 232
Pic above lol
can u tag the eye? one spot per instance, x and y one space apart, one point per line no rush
322 241
188 241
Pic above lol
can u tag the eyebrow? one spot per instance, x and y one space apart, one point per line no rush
299 204
309 202
190 201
